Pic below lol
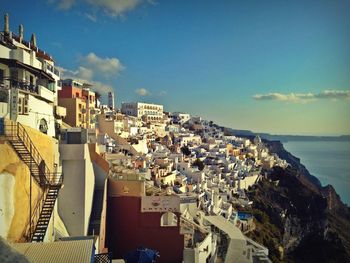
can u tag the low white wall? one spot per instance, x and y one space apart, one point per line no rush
247 181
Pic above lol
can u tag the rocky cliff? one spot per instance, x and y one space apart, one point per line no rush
297 218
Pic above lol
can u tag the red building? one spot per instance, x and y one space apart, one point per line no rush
71 89
130 226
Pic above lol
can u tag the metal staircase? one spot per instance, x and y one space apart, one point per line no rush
45 215
49 182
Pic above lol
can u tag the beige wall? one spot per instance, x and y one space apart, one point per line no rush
15 197
73 111
15 185
47 147
75 199
105 126
125 188
15 194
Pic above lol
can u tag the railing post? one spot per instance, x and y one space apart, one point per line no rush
30 196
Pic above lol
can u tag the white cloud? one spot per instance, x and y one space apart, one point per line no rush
102 88
63 4
81 73
114 8
91 17
305 97
142 92
85 75
334 94
106 66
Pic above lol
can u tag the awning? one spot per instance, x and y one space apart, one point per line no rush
15 63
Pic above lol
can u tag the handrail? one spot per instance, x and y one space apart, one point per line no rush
21 84
39 161
17 131
29 231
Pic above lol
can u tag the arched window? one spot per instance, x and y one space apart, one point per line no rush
168 219
43 126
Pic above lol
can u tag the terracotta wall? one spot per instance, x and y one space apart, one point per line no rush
128 229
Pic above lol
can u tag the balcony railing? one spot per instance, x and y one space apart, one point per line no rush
17 84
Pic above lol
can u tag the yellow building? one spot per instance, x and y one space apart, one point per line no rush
79 101
76 111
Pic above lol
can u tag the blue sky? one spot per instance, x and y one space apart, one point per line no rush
269 66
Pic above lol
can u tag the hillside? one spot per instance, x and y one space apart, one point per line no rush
297 218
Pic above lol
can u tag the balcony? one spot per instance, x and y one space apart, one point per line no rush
61 111
37 90
8 83
45 93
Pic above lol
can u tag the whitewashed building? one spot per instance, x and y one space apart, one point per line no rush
29 82
146 111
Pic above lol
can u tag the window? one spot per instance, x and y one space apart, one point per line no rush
23 105
43 126
77 94
168 219
20 105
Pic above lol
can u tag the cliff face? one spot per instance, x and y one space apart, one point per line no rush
309 222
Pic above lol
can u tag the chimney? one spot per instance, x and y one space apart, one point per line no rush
33 40
20 32
6 25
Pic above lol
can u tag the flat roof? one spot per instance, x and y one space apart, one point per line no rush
237 250
58 252
226 226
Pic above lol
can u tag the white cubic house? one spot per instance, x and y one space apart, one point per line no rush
29 82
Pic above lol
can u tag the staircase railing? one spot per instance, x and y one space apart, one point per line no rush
33 220
15 132
29 232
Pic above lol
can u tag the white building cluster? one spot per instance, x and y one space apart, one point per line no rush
209 171
175 154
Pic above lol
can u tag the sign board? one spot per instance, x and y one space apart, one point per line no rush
160 204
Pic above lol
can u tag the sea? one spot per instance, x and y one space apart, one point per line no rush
329 161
